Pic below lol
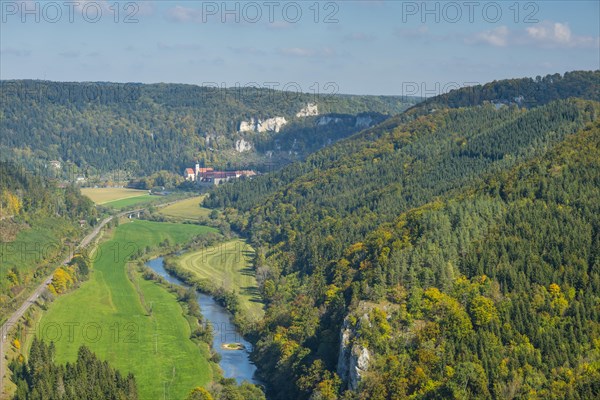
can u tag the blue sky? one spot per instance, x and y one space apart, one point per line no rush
360 47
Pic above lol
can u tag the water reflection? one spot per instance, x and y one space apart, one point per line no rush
234 363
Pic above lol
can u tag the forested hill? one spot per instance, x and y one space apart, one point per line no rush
414 239
526 92
496 95
489 294
146 128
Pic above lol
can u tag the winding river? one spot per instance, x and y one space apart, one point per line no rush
234 363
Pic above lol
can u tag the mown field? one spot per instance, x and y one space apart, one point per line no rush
134 201
138 327
188 209
106 195
228 265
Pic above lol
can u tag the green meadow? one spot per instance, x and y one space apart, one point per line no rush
138 326
188 209
228 265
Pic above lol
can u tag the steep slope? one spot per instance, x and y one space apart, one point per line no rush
37 220
314 231
358 227
538 92
490 294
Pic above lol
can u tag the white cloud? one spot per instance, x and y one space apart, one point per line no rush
422 32
279 25
557 34
497 37
546 34
184 14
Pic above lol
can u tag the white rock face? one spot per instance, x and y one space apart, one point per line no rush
271 124
363 122
242 146
247 126
353 359
310 110
258 125
359 363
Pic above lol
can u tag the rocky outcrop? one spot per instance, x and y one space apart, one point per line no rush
241 146
260 126
360 121
310 110
359 363
353 359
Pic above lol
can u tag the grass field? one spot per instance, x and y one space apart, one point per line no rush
228 265
188 209
106 195
133 201
107 314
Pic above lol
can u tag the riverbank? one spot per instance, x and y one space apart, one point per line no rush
234 363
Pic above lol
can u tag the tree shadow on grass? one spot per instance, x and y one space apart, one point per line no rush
253 292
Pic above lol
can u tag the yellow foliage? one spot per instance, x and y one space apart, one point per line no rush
554 290
199 393
17 344
62 280
483 310
355 248
11 202
331 292
12 278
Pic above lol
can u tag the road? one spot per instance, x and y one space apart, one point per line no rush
16 316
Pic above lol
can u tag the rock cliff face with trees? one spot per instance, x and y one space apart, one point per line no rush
139 129
457 244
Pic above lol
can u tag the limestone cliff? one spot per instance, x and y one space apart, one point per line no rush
258 125
311 109
353 359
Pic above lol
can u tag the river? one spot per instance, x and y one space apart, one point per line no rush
234 363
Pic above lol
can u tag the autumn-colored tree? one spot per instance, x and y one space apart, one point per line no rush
61 281
199 393
482 311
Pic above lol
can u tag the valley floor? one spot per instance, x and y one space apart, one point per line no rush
138 326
